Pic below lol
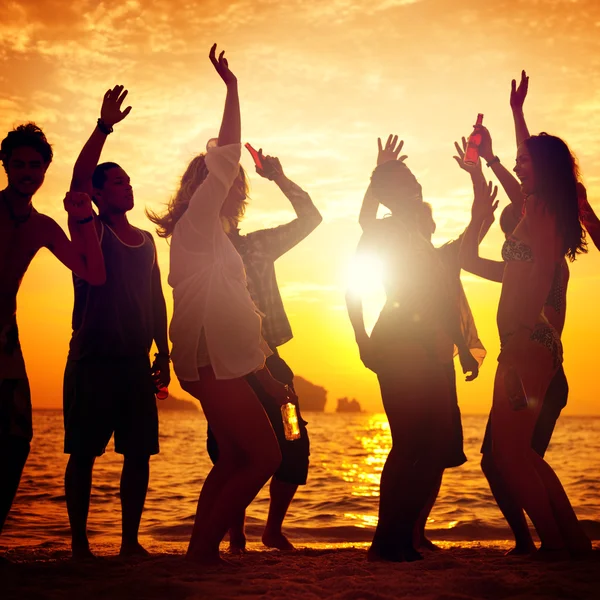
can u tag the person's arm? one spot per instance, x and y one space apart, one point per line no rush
507 180
162 361
484 205
87 161
277 241
222 162
517 99
110 115
85 258
589 218
370 204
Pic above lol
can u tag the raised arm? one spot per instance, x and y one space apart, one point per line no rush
84 258
484 205
221 162
507 180
110 115
231 124
370 204
517 99
279 240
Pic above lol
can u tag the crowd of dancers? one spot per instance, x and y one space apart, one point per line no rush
229 320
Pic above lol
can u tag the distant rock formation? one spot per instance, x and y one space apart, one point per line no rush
312 397
171 403
345 405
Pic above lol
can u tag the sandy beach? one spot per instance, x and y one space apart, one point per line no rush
461 570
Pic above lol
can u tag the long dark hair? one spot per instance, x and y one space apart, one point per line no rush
556 175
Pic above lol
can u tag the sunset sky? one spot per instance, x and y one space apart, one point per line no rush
319 81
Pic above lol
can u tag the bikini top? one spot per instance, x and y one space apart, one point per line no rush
514 249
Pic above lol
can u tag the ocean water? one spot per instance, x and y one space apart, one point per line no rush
339 503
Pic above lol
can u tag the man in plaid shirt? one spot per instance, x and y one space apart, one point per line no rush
259 251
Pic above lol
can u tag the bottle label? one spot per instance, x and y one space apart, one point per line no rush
291 427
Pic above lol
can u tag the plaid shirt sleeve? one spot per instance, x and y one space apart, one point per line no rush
277 241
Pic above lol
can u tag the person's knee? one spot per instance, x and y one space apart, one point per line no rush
81 462
140 461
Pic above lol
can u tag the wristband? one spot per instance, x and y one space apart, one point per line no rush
86 220
494 160
104 128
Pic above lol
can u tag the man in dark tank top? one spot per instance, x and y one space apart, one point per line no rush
109 383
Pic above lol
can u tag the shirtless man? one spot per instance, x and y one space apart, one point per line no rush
26 156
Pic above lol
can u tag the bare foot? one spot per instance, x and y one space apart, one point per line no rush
404 555
237 544
426 544
522 550
81 551
129 550
277 540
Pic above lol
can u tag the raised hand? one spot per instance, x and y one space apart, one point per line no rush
518 94
111 112
78 205
485 203
391 150
271 167
460 151
221 66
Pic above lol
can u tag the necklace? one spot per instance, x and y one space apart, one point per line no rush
17 219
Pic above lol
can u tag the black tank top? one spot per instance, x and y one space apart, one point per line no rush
116 319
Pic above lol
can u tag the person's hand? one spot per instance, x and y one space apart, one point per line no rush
518 94
281 393
271 167
161 371
111 112
514 352
390 151
460 158
78 205
582 198
485 148
469 364
221 66
367 354
485 203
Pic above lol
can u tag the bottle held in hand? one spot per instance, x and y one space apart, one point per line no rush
515 390
291 426
472 152
162 392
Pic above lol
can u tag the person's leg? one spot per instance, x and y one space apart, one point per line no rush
293 470
136 437
282 493
13 456
507 503
248 456
417 405
16 431
420 539
512 432
134 486
87 412
78 490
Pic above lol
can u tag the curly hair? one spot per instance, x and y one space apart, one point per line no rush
194 175
27 135
556 175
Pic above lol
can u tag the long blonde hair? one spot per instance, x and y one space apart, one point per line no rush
194 175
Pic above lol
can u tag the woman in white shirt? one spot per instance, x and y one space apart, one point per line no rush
216 330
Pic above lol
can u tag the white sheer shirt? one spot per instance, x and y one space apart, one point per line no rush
214 319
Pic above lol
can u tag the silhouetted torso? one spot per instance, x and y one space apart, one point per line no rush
116 319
